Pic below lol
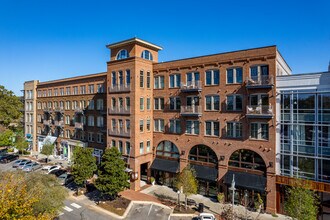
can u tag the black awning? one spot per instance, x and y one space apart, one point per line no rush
171 166
246 180
205 173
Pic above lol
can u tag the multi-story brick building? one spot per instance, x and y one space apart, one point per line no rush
216 113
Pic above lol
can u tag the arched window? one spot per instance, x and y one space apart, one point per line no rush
123 54
204 154
167 149
146 55
247 159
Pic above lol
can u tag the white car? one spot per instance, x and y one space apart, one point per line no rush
31 167
206 216
50 168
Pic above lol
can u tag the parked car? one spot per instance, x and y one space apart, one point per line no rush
17 162
65 178
8 158
58 173
23 164
31 167
206 216
50 168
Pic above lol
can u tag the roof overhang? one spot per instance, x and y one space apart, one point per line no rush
134 40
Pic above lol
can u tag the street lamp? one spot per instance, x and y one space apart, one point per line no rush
233 189
246 197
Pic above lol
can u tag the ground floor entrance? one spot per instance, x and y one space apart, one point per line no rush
164 178
144 172
207 188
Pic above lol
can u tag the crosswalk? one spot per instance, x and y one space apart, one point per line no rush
69 208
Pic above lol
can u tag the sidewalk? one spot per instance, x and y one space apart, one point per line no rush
213 206
138 196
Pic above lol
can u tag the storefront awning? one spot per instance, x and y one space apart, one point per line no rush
49 139
246 180
171 166
205 173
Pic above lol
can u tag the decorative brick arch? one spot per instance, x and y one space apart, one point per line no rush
155 149
190 148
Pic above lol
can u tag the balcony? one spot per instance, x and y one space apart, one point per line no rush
59 110
191 110
79 110
259 111
48 110
79 125
119 133
191 86
59 124
119 88
119 111
47 122
260 82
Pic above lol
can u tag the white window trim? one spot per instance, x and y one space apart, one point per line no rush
212 129
212 77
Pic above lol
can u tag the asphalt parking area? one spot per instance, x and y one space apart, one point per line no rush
148 211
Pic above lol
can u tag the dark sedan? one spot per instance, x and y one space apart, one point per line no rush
8 158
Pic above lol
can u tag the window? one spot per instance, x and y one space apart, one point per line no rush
100 138
82 89
99 104
141 125
122 54
90 137
128 148
113 79
159 125
121 125
100 121
120 146
75 90
90 120
61 91
235 75
203 154
113 103
128 77
39 105
192 127
68 90
128 125
146 55
212 77
141 103
259 131
234 129
148 80
259 73
141 148
192 78
55 92
247 159
67 133
91 105
113 143
234 102
159 82
100 88
67 120
148 124
141 79
212 102
167 149
91 89
148 103
175 103
121 77
148 145
159 104
175 81
212 128
175 126
121 103
259 100
114 124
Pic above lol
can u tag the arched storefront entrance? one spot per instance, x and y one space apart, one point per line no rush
249 170
205 162
166 164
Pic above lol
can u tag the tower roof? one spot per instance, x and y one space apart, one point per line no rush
134 40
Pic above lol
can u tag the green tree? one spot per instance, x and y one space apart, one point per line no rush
302 202
47 149
84 164
20 143
112 177
6 138
187 181
10 107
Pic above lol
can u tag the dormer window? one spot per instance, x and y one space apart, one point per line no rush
123 54
146 55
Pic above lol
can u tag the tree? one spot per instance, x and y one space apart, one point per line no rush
6 138
112 177
17 200
302 202
47 149
84 164
10 107
187 181
21 144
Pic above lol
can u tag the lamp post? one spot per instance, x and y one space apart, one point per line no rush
246 197
179 200
233 189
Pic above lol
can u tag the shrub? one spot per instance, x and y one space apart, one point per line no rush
221 197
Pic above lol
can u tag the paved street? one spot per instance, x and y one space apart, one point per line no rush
143 212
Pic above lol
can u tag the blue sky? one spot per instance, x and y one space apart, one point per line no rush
45 40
